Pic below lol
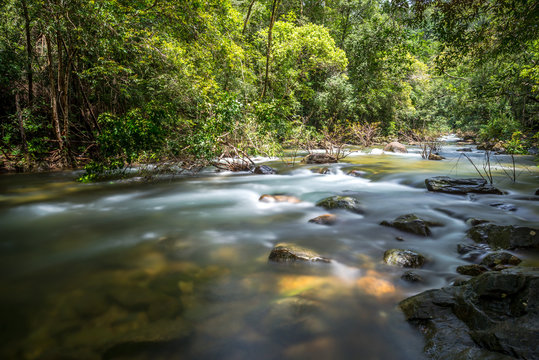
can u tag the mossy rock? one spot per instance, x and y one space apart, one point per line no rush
286 253
505 236
341 202
404 258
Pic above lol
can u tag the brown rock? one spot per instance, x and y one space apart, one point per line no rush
279 198
395 147
326 219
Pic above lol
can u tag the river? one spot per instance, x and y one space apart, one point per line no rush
178 268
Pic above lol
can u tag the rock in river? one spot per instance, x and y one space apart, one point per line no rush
326 219
395 147
504 236
493 316
284 253
500 258
264 170
411 223
449 185
319 159
404 258
471 270
341 202
279 198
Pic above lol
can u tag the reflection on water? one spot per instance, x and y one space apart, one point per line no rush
179 269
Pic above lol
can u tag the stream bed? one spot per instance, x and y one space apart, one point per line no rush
178 268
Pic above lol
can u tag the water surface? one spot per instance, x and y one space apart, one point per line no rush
178 268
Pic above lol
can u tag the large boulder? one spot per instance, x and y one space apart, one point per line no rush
286 253
319 158
341 202
404 258
411 223
450 185
493 316
504 236
396 147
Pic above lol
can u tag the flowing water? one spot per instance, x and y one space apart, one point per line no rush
178 269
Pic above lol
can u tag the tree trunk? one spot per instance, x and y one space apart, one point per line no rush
246 21
53 95
270 38
29 51
21 129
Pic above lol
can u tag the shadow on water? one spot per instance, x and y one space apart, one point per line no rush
179 269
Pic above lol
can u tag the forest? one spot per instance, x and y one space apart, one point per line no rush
109 83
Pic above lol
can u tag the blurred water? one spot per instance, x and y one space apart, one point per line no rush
178 268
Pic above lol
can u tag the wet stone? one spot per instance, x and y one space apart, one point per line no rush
323 171
449 185
319 159
285 253
471 270
435 157
487 317
279 198
411 223
264 170
395 147
474 221
500 258
326 219
341 202
356 173
412 277
504 207
505 236
404 258
465 149
472 251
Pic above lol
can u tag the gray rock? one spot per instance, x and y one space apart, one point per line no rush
493 316
471 270
449 185
465 149
411 223
404 258
504 236
500 258
286 253
319 159
341 202
395 147
264 170
472 251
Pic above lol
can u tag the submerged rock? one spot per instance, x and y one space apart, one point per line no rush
323 171
493 316
395 147
279 198
411 223
472 251
341 202
435 157
264 170
465 149
500 258
411 276
326 219
537 192
471 270
284 253
356 173
449 185
504 236
505 207
319 159
404 258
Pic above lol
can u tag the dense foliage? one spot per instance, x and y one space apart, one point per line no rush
112 82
